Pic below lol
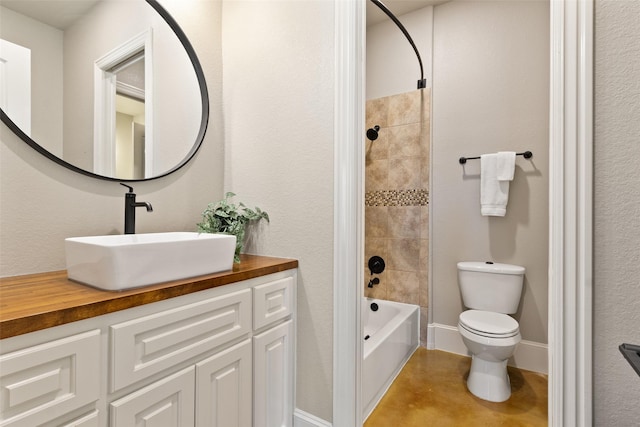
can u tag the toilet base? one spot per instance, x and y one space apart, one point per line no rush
489 380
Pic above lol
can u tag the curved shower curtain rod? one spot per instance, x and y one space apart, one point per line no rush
422 83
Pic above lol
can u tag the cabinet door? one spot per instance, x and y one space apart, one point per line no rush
44 382
273 377
168 402
223 388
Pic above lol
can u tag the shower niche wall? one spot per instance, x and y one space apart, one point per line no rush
397 198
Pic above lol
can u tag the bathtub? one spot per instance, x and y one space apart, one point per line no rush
391 335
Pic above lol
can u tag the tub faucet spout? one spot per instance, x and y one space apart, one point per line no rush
130 206
373 281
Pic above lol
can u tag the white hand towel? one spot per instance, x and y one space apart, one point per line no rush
506 165
494 194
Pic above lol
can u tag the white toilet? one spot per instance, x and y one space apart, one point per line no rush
491 292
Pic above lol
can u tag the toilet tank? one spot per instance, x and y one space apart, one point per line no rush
490 286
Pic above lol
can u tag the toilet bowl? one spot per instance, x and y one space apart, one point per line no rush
490 291
491 338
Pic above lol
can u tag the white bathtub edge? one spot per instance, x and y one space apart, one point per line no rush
529 355
383 391
305 419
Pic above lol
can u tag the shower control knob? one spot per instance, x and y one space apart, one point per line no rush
376 264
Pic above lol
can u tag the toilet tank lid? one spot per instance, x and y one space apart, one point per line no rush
490 267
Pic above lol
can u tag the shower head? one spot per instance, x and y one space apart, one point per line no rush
372 133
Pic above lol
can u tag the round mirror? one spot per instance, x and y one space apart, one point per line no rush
108 88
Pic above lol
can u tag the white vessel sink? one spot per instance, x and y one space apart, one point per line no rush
127 261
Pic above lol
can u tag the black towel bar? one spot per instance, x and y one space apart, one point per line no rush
525 154
632 354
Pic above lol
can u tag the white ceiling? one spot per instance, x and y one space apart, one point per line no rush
397 7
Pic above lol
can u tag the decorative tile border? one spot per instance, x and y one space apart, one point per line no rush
415 197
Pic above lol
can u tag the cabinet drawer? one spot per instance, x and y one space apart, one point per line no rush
168 402
151 344
46 381
272 301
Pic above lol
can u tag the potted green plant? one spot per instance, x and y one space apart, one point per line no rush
228 218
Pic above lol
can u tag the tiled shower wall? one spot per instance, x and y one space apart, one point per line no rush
396 198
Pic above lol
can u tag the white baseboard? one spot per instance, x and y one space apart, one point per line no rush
431 337
529 355
305 419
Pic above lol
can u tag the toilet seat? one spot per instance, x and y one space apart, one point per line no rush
489 324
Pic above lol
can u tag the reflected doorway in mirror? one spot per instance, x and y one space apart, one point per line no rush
132 159
15 83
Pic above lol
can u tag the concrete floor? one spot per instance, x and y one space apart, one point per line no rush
431 390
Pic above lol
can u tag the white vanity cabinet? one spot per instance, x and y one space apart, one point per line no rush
222 357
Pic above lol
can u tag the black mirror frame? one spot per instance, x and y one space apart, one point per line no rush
204 95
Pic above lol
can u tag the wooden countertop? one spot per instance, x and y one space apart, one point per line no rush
38 301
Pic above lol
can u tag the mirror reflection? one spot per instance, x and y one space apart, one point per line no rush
105 85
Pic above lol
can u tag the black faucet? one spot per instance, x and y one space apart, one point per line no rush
373 281
130 206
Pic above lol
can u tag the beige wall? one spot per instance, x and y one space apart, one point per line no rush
616 211
278 105
392 66
490 93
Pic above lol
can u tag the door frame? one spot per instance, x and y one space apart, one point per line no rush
570 212
104 122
